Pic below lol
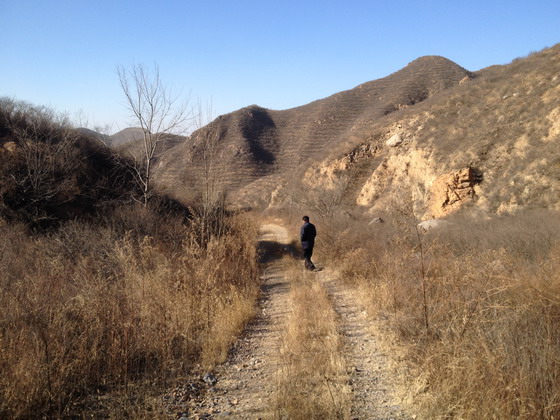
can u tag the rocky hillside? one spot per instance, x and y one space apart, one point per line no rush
432 133
257 148
490 144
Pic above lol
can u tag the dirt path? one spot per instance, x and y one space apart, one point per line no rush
371 377
247 381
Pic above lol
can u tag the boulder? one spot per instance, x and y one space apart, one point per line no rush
394 140
210 379
427 225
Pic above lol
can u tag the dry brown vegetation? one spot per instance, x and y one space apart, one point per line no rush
312 381
105 301
90 310
477 310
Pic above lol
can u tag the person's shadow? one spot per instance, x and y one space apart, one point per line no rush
272 250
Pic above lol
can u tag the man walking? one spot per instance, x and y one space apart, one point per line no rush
307 235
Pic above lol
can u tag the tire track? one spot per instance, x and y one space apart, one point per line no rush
247 383
371 379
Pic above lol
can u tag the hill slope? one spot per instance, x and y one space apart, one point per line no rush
490 144
442 135
264 146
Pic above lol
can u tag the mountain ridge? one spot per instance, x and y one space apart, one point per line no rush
257 143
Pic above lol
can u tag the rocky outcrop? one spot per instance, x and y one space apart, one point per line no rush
453 189
326 173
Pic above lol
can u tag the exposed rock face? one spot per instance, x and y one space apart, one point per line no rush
409 174
554 119
451 190
415 136
326 174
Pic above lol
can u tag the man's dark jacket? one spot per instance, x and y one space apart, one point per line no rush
307 235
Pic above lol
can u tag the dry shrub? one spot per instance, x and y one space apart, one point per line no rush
491 345
312 377
89 311
53 172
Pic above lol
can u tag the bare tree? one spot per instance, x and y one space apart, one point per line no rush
209 204
157 110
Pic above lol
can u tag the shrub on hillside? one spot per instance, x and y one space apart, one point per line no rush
50 172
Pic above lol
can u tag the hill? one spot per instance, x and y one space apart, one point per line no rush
490 144
127 135
51 172
446 135
257 145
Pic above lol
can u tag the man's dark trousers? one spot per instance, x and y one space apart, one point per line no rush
307 253
307 235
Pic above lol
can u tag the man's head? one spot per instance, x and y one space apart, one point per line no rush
305 218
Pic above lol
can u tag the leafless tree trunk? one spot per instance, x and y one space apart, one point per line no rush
158 112
210 205
404 204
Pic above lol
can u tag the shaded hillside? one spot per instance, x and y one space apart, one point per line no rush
258 148
50 172
127 135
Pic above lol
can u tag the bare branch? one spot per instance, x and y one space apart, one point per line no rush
156 110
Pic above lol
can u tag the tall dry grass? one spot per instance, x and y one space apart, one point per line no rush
491 345
89 310
312 380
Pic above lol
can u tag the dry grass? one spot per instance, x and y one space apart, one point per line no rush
90 312
312 382
105 301
491 344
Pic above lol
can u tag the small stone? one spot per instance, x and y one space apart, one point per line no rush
394 140
210 379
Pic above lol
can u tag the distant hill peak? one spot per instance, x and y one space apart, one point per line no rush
127 135
431 59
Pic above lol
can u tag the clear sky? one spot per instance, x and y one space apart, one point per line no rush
277 54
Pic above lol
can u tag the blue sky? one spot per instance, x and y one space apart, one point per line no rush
277 54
